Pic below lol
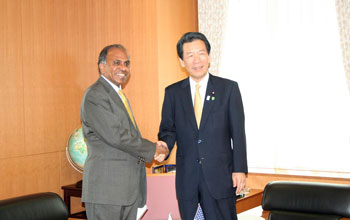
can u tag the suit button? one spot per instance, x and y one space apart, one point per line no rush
199 141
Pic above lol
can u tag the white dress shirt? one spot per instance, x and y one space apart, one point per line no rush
202 89
116 88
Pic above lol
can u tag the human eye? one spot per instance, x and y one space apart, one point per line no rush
117 62
202 52
127 63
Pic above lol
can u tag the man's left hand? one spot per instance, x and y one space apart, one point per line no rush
239 180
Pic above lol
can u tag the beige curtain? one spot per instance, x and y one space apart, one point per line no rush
211 20
343 11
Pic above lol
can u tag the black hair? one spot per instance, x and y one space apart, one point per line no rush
103 54
189 37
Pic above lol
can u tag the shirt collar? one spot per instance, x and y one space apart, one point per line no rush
116 88
202 83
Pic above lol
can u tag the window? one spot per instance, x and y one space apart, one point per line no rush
286 57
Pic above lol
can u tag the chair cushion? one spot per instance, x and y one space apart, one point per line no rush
277 215
307 197
39 206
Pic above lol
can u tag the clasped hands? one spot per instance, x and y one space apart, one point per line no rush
162 151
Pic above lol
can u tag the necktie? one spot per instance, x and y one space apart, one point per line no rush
126 104
198 105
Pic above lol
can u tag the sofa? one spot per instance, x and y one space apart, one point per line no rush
38 206
286 200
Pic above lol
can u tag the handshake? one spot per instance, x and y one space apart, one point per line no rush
162 151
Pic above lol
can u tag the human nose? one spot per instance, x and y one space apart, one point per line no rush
196 58
123 66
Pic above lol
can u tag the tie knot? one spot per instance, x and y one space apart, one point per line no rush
198 86
122 96
120 92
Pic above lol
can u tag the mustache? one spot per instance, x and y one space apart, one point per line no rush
122 71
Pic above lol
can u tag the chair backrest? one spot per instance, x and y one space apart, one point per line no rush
39 206
306 200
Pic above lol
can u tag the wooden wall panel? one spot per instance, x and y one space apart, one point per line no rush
43 92
30 174
48 58
139 35
78 41
11 80
68 174
169 31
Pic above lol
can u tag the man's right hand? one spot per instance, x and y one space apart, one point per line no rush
162 151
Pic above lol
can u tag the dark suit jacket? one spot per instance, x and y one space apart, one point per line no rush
113 172
222 121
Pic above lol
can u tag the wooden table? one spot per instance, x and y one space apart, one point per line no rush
251 200
72 191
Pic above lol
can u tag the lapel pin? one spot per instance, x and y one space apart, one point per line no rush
208 97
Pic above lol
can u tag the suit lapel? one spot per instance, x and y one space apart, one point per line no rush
208 101
117 100
187 102
113 94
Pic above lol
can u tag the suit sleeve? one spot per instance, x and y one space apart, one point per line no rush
237 121
105 125
167 131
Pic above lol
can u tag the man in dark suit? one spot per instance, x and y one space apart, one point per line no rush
114 179
204 115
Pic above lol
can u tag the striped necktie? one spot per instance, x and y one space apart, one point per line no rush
126 104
